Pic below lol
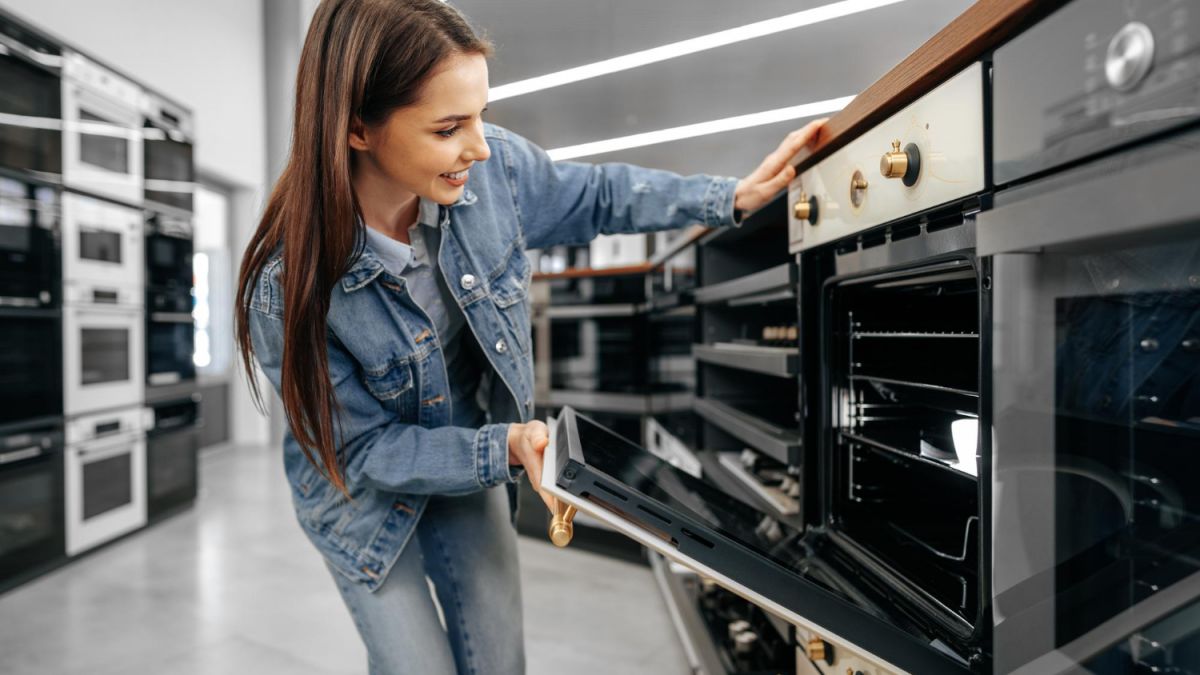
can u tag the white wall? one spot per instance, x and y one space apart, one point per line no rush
207 56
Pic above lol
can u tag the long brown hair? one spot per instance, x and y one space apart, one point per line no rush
361 60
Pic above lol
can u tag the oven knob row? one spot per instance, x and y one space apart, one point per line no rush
903 164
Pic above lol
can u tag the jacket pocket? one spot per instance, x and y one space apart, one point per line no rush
510 293
392 385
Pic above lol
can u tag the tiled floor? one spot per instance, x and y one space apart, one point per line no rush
232 586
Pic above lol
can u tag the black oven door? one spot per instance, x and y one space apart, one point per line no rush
30 105
31 502
1096 377
169 262
30 365
722 538
170 348
170 175
171 457
29 252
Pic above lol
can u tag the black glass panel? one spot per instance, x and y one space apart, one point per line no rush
169 160
30 368
26 509
171 464
107 485
107 152
105 355
170 347
29 91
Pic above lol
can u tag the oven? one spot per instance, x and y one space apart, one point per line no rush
31 501
29 247
105 477
30 365
103 349
102 130
170 331
101 244
172 444
30 103
167 153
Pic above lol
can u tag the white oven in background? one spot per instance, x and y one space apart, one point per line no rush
103 364
105 477
102 245
102 130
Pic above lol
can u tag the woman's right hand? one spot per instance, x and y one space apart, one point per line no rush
526 443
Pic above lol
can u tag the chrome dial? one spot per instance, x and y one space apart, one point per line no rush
1130 56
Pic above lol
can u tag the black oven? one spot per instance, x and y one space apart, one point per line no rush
172 444
30 103
1096 372
170 331
32 533
31 374
167 148
30 274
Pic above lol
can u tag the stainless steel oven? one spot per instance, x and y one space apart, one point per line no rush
169 171
102 130
103 348
170 330
1096 373
31 500
30 273
105 477
172 444
30 365
101 244
30 103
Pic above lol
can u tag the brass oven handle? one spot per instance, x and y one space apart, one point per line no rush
562 527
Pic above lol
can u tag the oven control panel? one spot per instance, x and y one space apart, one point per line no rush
929 153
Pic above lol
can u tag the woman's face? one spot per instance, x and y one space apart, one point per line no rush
427 148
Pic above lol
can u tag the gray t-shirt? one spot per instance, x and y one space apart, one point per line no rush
417 264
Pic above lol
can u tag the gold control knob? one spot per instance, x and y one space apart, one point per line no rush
858 189
858 182
562 527
802 209
894 164
819 650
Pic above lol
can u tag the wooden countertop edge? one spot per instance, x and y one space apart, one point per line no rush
981 27
581 272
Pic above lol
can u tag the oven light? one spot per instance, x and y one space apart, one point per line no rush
966 438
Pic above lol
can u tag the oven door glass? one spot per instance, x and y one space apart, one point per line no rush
1096 373
170 341
171 469
28 245
170 175
168 262
30 365
102 242
106 490
704 528
31 502
30 107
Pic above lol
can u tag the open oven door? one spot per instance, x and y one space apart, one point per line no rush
704 529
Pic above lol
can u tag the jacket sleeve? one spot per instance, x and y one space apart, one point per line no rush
572 202
381 452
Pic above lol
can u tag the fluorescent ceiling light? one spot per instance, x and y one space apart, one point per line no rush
701 128
685 47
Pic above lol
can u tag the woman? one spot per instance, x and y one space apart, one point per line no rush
385 296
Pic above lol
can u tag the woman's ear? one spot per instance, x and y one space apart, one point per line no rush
358 135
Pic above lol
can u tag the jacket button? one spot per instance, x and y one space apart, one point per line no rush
501 346
467 281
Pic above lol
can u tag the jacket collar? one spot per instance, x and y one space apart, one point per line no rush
368 266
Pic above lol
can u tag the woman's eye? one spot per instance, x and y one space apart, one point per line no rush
447 133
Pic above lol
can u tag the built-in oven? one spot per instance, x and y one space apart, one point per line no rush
103 350
105 477
170 331
101 244
30 103
102 130
1096 373
172 444
30 365
170 174
31 501
29 244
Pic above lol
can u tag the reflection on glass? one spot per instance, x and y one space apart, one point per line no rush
108 151
100 245
104 355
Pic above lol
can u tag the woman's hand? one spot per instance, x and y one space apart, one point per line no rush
775 172
526 443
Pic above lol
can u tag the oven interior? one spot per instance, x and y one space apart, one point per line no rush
904 369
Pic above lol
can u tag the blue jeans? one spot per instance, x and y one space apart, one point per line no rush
467 547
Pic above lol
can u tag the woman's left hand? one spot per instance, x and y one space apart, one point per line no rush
776 170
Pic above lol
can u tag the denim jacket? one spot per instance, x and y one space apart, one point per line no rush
386 364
